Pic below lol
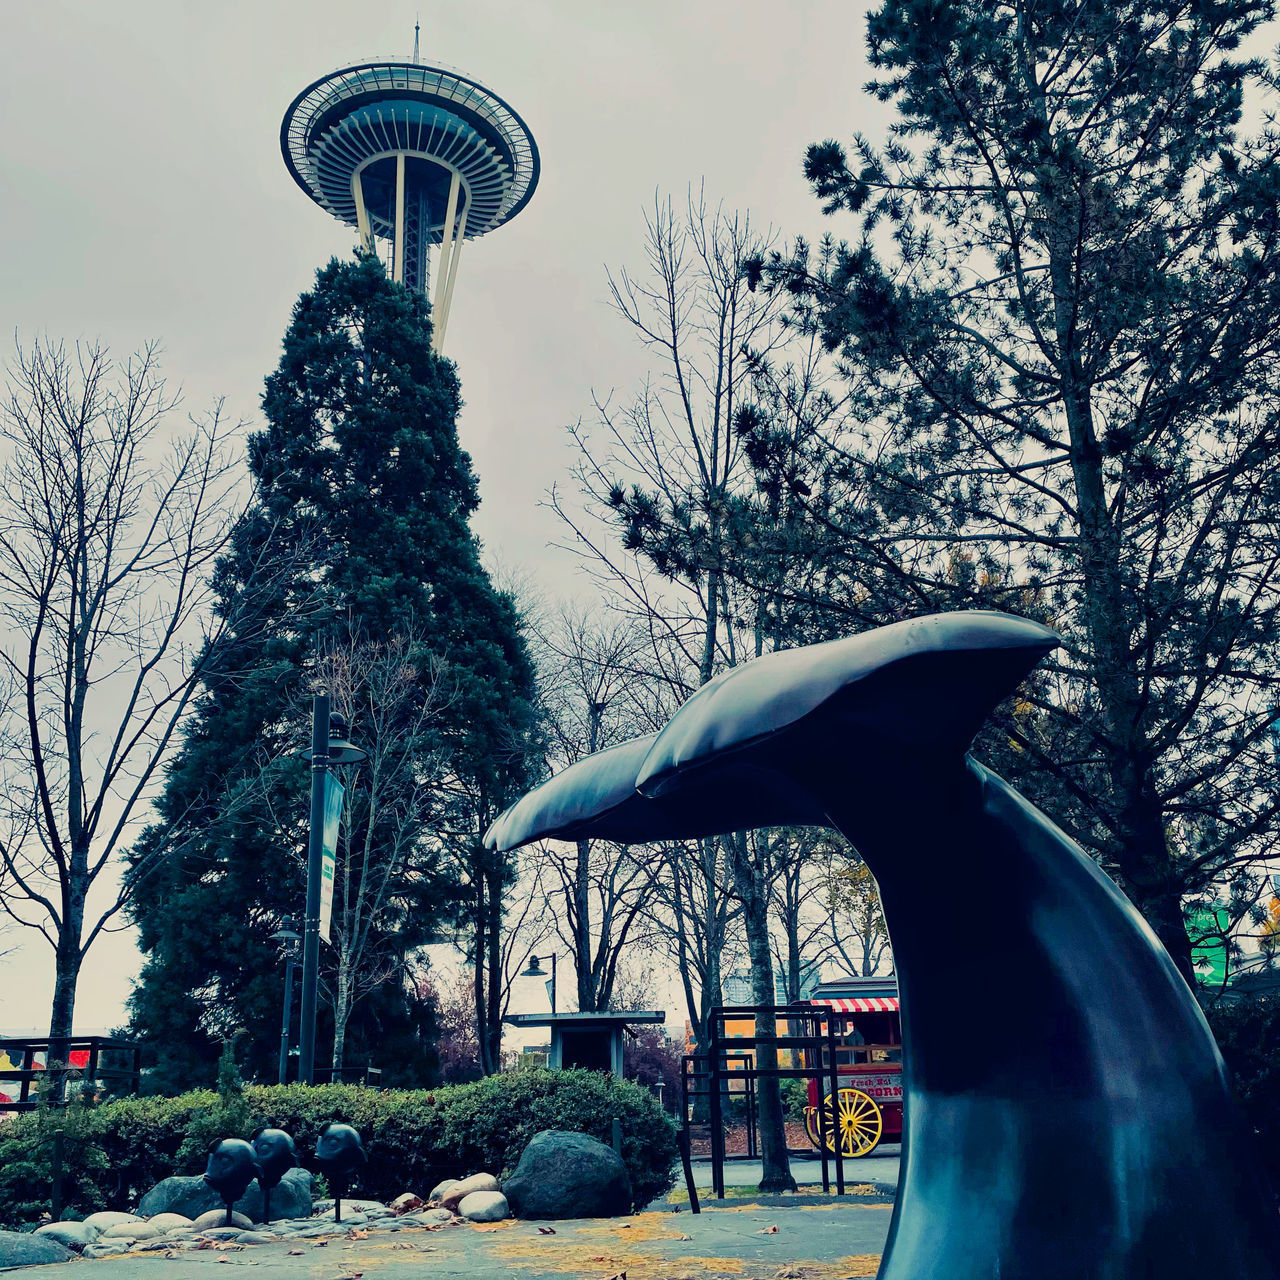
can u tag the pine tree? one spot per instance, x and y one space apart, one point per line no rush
363 500
1059 324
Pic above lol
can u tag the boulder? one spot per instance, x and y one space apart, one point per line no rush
256 1237
427 1218
133 1230
75 1235
193 1196
216 1220
406 1203
441 1189
110 1218
169 1221
349 1205
107 1249
484 1206
21 1249
453 1197
568 1175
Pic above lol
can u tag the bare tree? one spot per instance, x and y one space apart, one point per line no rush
395 692
665 482
855 918
592 672
107 539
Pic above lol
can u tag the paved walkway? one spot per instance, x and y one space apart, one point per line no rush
881 1167
810 1242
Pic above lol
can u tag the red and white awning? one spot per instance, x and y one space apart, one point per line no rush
861 1004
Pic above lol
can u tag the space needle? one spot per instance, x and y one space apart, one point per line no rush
414 156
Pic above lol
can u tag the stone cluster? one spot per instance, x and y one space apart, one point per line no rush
560 1175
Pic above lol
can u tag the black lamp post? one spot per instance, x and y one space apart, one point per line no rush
535 970
328 746
289 941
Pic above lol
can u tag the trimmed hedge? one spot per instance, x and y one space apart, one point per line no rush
414 1138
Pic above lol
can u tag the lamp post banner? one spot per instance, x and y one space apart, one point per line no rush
332 816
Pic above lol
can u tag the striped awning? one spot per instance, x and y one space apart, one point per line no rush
860 1004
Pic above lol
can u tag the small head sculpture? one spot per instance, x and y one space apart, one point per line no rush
276 1156
339 1153
232 1166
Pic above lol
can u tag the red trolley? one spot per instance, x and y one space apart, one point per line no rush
867 1107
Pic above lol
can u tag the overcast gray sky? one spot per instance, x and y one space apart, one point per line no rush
142 195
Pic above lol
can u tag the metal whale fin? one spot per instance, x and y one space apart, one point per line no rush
591 793
923 685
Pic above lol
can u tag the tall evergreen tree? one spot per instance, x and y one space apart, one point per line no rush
1059 320
363 500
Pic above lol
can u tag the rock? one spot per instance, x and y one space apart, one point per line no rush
105 1250
348 1203
315 1229
373 1214
441 1189
137 1230
427 1218
75 1235
216 1221
568 1175
150 1246
476 1182
408 1202
256 1237
484 1206
23 1249
193 1196
169 1221
110 1218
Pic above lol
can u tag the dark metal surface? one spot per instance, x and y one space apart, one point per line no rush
1097 1139
276 1155
232 1166
339 1153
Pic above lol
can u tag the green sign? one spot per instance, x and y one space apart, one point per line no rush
1209 955
329 853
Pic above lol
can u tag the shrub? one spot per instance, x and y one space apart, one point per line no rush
26 1163
414 1138
1248 1033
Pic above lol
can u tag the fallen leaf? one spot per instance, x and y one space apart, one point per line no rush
224 1258
767 1231
625 1226
622 1275
788 1273
358 1234
684 1237
546 1231
295 1253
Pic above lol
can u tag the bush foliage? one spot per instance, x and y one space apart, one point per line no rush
1248 1033
414 1138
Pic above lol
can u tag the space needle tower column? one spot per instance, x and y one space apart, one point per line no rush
413 156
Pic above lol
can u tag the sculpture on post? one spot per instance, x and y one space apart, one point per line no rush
276 1155
339 1153
232 1166
1101 1140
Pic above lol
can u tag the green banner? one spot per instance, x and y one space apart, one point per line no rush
329 853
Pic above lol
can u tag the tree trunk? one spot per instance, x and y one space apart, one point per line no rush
582 936
341 1013
751 888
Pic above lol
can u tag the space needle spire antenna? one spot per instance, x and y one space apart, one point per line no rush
413 156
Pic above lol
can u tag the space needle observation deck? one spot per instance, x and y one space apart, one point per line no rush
413 156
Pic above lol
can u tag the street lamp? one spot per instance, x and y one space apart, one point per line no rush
535 970
660 1084
328 746
289 942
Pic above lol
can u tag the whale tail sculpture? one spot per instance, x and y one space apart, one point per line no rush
1099 1142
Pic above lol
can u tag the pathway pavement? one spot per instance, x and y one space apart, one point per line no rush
880 1167
809 1242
